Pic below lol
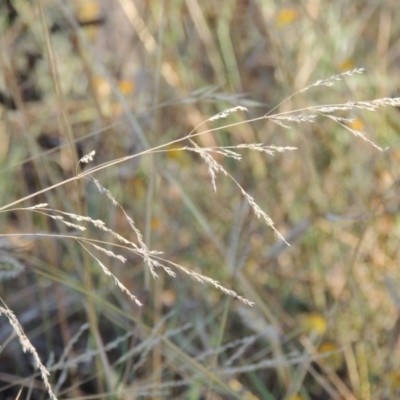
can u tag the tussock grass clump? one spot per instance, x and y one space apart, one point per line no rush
167 232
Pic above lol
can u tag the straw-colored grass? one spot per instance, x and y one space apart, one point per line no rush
280 205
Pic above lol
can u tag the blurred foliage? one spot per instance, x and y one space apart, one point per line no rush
120 76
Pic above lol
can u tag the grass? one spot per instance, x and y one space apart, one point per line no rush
173 172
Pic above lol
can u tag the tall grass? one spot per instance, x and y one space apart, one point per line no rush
87 217
153 258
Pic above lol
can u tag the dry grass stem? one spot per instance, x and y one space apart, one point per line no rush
121 127
110 274
205 279
28 347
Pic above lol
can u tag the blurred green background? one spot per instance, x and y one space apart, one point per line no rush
123 76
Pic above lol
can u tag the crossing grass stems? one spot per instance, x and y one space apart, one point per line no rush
153 258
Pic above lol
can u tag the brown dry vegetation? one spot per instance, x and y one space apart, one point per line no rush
122 77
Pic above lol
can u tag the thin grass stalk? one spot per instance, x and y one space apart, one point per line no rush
65 126
340 386
233 256
157 362
67 132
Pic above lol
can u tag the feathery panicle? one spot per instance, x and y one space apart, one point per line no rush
217 150
168 270
369 105
354 132
270 150
110 274
71 225
41 205
297 118
261 214
28 347
205 279
300 116
88 157
103 190
42 209
226 151
109 253
334 78
213 166
225 113
142 250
